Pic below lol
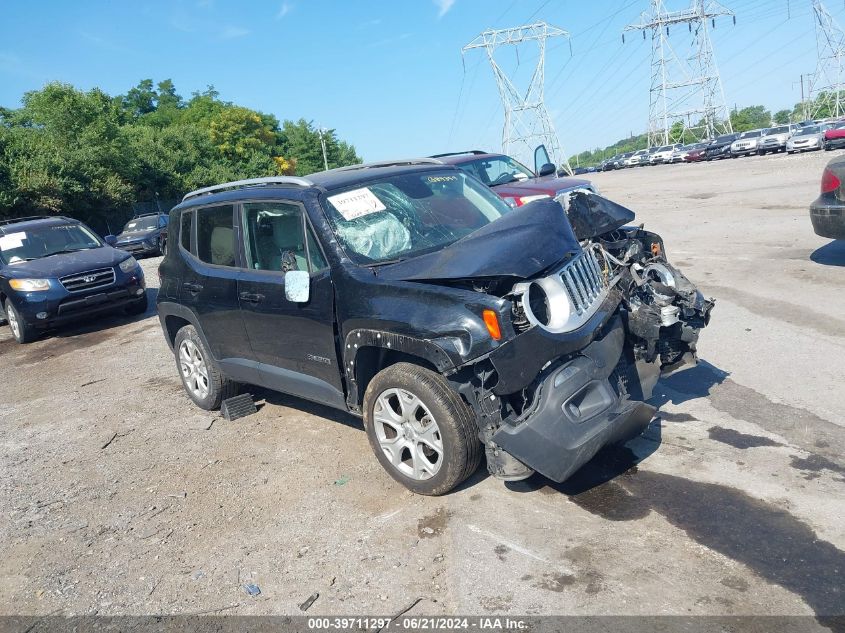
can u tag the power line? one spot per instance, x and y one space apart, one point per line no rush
527 122
672 74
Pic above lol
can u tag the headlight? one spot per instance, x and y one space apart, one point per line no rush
128 264
30 285
547 304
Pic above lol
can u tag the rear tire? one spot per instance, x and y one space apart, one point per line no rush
202 379
21 330
420 429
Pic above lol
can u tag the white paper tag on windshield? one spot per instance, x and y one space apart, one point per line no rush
356 203
12 240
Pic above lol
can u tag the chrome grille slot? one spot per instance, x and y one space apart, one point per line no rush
583 280
90 280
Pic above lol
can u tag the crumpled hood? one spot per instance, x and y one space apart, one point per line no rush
521 244
66 264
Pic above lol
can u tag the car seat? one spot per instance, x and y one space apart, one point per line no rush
222 246
278 235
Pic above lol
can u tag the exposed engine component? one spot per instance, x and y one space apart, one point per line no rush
664 309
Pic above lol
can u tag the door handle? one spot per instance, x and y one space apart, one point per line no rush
251 297
191 286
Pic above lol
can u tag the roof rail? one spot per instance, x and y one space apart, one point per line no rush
391 163
32 217
251 182
475 152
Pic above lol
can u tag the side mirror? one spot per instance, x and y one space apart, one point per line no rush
111 240
547 169
297 286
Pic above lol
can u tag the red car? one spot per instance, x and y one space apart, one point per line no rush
512 180
696 154
834 138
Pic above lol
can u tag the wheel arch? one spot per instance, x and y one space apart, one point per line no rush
367 352
173 317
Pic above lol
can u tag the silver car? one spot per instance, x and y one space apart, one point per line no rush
807 139
746 143
775 139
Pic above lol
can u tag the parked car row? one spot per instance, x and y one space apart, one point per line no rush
792 139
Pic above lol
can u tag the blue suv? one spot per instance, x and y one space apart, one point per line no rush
55 269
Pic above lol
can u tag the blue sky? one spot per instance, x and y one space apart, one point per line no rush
388 74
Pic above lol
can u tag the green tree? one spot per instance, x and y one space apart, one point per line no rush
239 132
301 140
782 117
751 118
91 156
141 99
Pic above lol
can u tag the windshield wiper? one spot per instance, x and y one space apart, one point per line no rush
507 182
386 262
68 250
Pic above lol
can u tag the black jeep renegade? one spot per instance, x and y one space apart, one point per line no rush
410 294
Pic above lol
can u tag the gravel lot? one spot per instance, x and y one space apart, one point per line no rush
121 497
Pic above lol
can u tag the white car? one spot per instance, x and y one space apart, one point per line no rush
663 154
635 159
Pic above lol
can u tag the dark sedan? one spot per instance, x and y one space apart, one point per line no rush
827 212
720 147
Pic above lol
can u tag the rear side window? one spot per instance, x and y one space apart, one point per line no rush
216 235
185 230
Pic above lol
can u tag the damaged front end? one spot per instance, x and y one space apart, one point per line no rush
592 337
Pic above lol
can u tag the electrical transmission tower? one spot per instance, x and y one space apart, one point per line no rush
827 82
688 89
527 122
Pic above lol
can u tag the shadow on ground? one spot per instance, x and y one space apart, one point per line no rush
831 254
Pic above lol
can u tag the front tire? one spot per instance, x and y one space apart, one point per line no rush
21 330
202 379
421 431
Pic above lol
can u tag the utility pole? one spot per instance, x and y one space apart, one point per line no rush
827 82
323 145
689 78
527 121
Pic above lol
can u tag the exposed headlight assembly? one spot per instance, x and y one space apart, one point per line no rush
30 285
128 265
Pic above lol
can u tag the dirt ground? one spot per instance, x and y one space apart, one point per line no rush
121 497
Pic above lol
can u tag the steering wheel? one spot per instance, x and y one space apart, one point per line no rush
501 180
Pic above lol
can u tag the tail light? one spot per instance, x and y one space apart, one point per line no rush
830 182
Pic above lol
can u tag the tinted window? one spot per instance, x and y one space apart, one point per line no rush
185 230
276 238
216 235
